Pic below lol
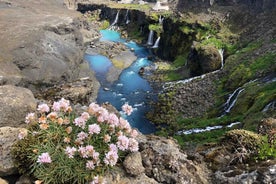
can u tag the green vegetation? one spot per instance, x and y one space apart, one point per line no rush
61 147
157 28
132 6
105 25
267 150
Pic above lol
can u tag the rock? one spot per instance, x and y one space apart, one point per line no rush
8 136
166 163
82 91
133 164
3 181
203 59
15 103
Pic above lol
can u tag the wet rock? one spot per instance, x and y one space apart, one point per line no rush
15 103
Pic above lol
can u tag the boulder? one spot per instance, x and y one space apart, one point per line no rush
15 104
166 163
8 136
203 59
133 164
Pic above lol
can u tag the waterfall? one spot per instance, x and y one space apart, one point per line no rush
221 51
116 19
208 128
156 44
232 100
150 38
270 106
161 19
127 18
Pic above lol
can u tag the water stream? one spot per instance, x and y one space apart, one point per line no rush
130 88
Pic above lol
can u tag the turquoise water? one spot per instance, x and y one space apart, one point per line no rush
130 88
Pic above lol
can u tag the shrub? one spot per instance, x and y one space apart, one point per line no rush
60 147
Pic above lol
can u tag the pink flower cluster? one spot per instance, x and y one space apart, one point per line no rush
44 158
97 136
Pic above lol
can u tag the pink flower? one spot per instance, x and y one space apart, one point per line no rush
64 104
70 151
122 142
127 109
42 108
94 128
30 118
56 106
113 120
111 158
83 152
85 116
134 133
113 147
107 138
82 135
80 122
93 108
44 158
90 165
124 124
22 133
133 145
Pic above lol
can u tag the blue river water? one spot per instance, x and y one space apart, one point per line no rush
130 88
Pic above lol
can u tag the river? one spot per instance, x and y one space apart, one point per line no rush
130 88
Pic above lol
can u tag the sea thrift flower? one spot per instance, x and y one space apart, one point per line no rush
38 182
44 158
93 108
80 122
83 152
122 142
133 145
30 118
134 133
65 105
56 106
68 130
42 119
124 124
111 158
67 140
43 126
113 120
42 108
107 138
85 116
113 147
94 128
60 121
52 116
127 109
82 135
22 133
70 151
90 150
90 164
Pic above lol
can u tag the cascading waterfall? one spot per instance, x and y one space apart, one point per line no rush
270 106
116 19
156 44
221 51
208 128
168 85
150 38
232 100
127 18
161 19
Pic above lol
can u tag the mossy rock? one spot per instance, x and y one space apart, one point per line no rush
203 59
239 138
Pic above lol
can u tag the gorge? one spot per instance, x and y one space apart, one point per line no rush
211 90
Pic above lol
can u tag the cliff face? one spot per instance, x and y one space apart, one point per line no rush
255 6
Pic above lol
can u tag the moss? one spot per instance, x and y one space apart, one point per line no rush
105 24
157 28
118 64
